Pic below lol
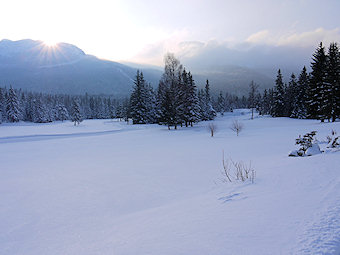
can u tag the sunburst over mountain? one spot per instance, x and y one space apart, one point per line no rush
63 68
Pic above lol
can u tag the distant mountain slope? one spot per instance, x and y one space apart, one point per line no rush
233 79
34 66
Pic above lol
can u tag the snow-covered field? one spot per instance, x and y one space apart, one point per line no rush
105 187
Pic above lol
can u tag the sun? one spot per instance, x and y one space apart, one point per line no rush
50 43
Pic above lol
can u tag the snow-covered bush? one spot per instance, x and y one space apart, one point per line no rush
237 171
313 150
333 140
308 146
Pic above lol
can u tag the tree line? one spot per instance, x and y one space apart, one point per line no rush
176 101
314 95
17 105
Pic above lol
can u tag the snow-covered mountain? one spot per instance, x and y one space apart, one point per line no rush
32 65
30 52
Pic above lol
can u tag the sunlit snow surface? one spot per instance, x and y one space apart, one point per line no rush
105 187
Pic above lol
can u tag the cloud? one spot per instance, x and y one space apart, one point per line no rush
153 53
261 51
311 38
259 37
294 39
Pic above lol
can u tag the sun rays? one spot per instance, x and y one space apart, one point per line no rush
50 43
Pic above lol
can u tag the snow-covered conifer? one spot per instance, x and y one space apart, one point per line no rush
317 90
333 80
76 113
12 106
279 104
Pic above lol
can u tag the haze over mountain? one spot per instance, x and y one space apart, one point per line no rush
65 68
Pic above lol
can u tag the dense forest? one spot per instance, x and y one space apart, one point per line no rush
177 101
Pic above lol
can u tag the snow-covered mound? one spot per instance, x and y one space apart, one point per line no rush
106 187
314 150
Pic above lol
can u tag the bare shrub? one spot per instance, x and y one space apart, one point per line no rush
237 171
212 128
226 170
236 126
333 140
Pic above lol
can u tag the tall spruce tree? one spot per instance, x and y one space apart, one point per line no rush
208 112
279 94
142 102
220 104
151 105
190 103
138 100
265 103
252 97
62 113
168 97
299 107
318 87
39 110
333 80
12 106
2 105
76 113
290 94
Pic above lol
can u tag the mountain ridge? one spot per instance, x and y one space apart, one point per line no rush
65 68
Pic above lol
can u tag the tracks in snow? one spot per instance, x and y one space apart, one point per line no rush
42 137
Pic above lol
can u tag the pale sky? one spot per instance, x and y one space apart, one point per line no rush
143 31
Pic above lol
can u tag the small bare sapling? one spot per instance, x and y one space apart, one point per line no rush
236 126
212 128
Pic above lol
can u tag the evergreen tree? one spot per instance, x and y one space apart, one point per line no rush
258 106
12 106
265 103
119 111
39 111
220 104
169 93
271 101
299 107
112 110
76 114
252 97
2 105
317 91
208 112
126 110
190 103
62 113
151 105
333 80
290 94
138 100
164 105
279 105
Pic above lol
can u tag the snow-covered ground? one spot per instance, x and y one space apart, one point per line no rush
105 187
